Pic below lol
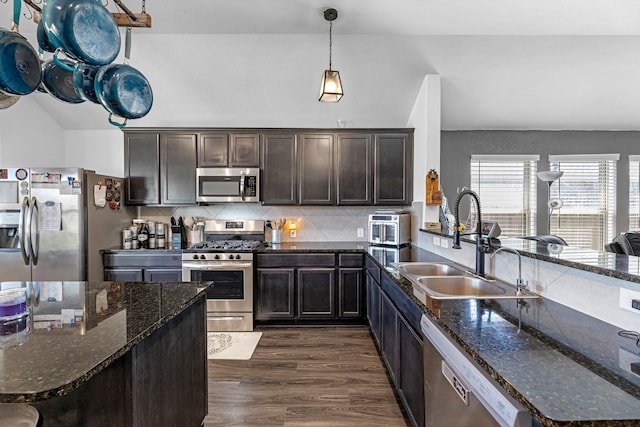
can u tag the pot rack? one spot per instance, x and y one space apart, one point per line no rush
126 19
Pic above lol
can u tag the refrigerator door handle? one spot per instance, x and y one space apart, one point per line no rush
34 243
22 230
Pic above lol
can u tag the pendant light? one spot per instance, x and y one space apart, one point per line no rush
331 89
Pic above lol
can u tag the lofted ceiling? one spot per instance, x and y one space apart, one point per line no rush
505 64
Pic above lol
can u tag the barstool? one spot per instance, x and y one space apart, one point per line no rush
18 415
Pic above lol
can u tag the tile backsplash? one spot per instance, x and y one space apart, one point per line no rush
313 223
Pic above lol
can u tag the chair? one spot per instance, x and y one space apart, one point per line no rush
19 414
625 243
547 238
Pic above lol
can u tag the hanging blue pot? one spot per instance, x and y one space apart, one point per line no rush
84 29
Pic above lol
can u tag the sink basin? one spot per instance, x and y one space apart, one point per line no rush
429 269
461 286
442 280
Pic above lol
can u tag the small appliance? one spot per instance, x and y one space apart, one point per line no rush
393 229
226 185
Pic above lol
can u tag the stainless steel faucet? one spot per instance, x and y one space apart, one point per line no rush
521 286
480 248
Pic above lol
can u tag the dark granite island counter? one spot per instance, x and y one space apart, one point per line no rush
112 354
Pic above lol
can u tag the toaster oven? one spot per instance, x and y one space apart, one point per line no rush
390 229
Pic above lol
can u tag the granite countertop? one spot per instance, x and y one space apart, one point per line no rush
59 354
619 266
565 367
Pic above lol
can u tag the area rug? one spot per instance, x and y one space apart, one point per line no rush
232 345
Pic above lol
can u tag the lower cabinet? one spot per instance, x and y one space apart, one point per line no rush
309 287
399 344
411 371
144 266
389 338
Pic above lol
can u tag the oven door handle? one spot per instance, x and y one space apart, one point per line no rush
216 265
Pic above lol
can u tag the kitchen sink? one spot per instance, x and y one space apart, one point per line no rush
441 280
463 286
429 269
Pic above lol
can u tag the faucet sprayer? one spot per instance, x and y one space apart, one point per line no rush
480 251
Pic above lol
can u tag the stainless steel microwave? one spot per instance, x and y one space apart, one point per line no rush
224 185
393 230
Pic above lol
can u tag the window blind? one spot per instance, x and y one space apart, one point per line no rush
587 189
634 193
507 189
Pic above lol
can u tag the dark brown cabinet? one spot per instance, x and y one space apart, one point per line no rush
346 168
142 266
351 286
275 293
353 166
178 169
279 153
410 371
142 168
316 293
392 169
399 343
309 287
228 149
389 334
316 169
160 168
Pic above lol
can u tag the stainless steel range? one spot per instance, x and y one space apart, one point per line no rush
226 259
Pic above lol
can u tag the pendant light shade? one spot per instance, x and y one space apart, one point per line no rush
331 88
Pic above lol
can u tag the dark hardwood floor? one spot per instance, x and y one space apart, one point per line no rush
324 376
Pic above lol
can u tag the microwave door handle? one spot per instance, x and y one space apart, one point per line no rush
22 229
383 233
242 185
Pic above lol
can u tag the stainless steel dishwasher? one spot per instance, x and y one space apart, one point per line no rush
458 392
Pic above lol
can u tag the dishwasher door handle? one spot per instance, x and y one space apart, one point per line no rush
461 390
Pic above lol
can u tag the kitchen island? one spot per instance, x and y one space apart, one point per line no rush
111 354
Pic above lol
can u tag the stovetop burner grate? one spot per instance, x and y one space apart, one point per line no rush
228 245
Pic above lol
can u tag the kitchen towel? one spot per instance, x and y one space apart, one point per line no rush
232 345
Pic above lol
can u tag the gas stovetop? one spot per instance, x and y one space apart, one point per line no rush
227 245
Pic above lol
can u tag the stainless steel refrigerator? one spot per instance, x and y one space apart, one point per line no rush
55 221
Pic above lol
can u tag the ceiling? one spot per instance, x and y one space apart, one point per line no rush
505 64
404 17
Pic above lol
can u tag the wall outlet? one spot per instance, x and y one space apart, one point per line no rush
444 243
360 232
292 233
436 240
630 300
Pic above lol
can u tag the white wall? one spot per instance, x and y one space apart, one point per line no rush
102 151
30 136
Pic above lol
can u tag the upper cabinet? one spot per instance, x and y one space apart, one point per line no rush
393 169
279 169
228 149
355 167
353 164
316 169
160 168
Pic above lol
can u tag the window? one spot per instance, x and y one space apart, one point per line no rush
587 189
634 192
507 189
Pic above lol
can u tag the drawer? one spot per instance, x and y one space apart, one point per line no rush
142 259
296 260
351 260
